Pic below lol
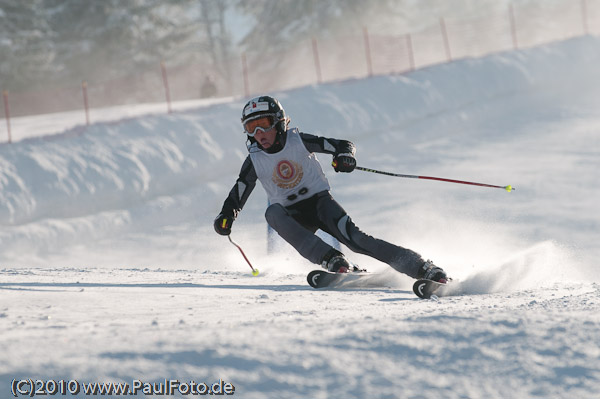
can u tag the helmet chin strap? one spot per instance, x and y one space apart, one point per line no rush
277 144
252 140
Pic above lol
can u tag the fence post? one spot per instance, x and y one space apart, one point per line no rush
85 102
411 55
446 40
368 51
166 84
245 73
584 16
316 58
7 114
513 26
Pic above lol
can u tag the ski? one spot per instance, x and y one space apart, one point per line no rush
325 279
427 289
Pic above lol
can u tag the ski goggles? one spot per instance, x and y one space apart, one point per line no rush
263 123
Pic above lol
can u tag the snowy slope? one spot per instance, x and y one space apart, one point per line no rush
110 269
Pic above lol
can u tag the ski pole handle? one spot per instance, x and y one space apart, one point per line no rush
508 188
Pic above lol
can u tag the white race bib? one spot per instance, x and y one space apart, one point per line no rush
290 175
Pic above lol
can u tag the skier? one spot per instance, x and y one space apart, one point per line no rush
283 160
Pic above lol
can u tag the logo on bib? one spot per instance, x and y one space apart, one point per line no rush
287 174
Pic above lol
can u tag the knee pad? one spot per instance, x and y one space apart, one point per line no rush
274 212
359 241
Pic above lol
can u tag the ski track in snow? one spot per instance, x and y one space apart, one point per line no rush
110 269
276 337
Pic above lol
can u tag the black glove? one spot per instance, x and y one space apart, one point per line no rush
344 163
223 224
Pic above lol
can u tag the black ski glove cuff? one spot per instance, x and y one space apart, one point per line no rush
344 163
223 224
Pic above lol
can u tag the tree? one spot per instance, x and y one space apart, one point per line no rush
62 41
26 47
278 24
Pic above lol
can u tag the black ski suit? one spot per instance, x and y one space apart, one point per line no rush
297 222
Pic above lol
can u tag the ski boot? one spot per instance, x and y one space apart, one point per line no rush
335 262
429 271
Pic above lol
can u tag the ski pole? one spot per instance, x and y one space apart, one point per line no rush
507 188
254 271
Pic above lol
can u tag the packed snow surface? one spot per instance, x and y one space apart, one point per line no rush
110 270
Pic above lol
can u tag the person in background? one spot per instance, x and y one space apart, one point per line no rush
208 88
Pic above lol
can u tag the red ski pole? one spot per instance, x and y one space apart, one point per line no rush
507 188
254 271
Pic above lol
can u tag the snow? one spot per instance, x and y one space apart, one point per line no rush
110 269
